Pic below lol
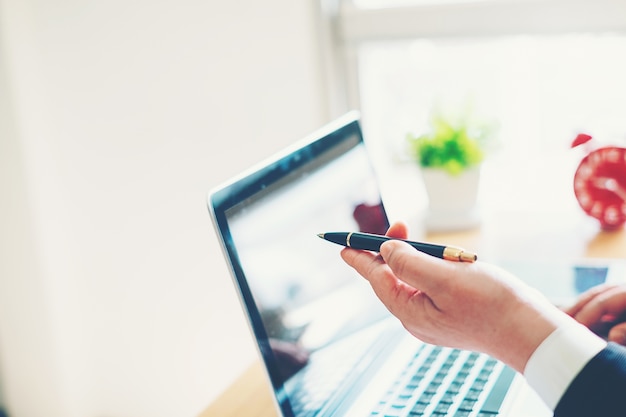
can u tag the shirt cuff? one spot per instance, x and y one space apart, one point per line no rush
559 358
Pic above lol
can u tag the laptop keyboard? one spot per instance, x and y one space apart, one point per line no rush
436 382
442 381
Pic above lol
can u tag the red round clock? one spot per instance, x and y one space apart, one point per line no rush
600 184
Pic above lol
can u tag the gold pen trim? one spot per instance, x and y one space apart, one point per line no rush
348 239
451 253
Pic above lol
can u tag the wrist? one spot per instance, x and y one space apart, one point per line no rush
531 324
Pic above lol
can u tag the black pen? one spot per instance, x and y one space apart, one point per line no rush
371 242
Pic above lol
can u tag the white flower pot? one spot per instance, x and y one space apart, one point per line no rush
452 199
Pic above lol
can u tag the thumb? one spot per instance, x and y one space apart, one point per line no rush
419 270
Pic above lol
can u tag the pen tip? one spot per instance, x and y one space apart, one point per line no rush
320 235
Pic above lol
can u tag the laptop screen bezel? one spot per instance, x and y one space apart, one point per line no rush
323 146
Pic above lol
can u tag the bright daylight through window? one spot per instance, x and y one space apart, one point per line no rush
537 88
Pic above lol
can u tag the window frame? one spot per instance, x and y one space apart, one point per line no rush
348 26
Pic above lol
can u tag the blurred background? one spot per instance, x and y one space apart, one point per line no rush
117 118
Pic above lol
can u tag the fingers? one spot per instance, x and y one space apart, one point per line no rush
586 297
398 230
594 306
400 275
366 263
392 292
617 334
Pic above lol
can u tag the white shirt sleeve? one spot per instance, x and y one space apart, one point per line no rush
559 358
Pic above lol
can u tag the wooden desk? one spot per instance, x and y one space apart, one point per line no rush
535 235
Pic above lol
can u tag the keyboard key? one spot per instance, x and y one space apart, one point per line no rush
418 409
426 398
442 408
496 396
472 394
467 404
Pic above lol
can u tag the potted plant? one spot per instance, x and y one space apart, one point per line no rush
449 155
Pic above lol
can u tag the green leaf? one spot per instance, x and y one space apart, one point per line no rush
448 146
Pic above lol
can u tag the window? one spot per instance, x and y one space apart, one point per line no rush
540 70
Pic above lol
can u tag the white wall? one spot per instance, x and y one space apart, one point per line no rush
116 118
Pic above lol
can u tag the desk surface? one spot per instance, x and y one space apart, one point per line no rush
536 235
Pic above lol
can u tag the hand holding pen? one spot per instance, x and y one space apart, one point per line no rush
367 241
474 306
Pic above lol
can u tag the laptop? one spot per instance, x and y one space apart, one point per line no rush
329 347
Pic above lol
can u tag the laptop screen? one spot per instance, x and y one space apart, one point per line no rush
299 296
